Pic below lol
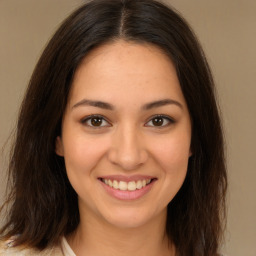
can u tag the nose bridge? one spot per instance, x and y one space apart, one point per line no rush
127 149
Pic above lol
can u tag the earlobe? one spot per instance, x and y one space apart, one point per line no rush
59 146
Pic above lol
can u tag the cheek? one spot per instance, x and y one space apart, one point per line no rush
82 154
172 156
173 153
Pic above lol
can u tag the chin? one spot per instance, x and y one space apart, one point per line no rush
130 218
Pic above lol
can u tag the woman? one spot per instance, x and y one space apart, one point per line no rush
119 147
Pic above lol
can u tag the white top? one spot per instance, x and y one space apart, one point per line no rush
63 249
66 249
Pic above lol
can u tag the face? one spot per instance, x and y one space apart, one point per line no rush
126 134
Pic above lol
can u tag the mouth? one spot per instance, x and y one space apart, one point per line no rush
127 186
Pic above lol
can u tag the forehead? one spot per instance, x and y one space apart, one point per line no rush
121 48
130 55
122 69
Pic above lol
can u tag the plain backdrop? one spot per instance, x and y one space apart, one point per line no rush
227 31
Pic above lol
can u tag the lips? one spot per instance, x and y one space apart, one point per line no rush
127 178
124 187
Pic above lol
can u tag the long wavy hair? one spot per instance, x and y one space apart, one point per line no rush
42 204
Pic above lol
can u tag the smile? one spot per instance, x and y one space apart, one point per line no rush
127 186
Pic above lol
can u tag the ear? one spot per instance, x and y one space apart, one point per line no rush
59 146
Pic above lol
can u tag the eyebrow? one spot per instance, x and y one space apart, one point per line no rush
94 103
108 106
161 103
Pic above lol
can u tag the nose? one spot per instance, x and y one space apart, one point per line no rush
127 149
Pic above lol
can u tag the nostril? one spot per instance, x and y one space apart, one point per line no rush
127 159
127 148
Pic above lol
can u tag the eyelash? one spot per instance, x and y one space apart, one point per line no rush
167 119
103 119
91 117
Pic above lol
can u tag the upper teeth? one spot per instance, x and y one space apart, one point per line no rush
131 185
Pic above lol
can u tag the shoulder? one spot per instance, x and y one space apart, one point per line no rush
7 249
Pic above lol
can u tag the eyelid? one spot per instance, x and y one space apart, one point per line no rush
169 119
85 119
166 117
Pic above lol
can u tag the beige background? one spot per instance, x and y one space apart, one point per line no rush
227 31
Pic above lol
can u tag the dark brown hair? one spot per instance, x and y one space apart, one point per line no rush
43 205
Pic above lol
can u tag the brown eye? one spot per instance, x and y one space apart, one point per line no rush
159 121
95 121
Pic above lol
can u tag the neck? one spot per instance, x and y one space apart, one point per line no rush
94 236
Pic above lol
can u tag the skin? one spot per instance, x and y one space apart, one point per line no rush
128 76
